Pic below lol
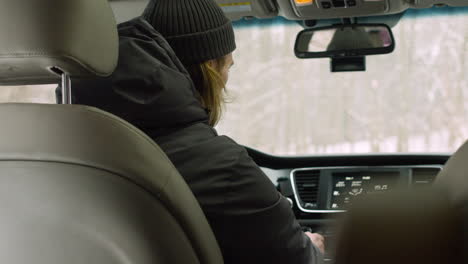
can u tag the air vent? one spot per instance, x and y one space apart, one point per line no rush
307 187
424 176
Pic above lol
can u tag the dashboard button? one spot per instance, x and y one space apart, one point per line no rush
310 205
338 3
326 5
351 3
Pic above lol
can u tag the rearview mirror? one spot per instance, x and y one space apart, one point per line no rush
341 41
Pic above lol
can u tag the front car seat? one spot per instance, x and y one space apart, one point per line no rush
404 227
453 179
78 185
412 226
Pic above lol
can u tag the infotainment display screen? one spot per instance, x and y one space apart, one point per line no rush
347 186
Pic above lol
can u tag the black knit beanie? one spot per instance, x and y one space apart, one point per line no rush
197 30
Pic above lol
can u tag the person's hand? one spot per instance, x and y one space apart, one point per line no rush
318 240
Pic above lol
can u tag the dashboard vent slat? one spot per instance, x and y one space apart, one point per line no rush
424 176
307 186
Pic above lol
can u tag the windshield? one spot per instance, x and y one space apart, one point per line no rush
412 100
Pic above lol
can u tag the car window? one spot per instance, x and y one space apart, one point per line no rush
413 100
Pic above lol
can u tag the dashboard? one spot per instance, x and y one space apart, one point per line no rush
333 189
320 189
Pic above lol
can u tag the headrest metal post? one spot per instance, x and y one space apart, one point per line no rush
66 89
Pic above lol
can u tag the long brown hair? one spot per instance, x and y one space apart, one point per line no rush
211 87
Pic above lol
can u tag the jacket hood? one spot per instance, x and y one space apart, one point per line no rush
150 87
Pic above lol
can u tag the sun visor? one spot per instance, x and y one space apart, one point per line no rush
237 9
39 40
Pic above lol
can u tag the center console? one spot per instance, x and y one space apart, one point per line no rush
321 194
333 189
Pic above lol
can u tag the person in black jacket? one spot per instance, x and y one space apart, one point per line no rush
152 89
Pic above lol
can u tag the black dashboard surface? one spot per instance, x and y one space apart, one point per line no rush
329 178
279 162
279 169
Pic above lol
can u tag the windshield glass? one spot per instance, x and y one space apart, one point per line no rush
412 100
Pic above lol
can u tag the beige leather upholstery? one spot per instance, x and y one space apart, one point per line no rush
75 173
454 176
77 36
78 185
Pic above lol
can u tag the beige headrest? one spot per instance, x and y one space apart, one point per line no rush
454 176
41 37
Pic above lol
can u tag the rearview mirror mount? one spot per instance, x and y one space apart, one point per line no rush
348 64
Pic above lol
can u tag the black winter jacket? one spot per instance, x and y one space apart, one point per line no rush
152 90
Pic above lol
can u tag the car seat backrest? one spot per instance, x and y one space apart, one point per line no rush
454 177
406 227
412 226
79 185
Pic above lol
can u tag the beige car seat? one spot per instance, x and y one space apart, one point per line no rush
78 185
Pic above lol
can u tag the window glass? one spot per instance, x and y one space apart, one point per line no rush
413 100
